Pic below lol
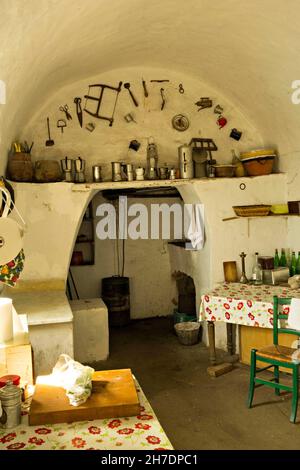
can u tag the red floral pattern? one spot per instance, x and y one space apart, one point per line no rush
142 426
244 304
36 440
9 437
115 423
94 430
78 442
153 440
125 431
16 446
145 417
43 431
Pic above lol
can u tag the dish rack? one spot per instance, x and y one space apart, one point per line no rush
252 211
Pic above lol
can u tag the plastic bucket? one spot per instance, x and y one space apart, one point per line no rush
187 332
183 317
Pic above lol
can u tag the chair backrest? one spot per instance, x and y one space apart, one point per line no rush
277 302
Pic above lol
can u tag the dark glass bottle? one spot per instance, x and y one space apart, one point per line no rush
282 261
298 264
276 259
293 268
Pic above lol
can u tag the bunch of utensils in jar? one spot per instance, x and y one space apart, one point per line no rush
21 147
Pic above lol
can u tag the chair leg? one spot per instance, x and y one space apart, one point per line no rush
252 377
295 394
276 376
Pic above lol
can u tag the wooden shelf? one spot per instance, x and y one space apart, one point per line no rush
259 216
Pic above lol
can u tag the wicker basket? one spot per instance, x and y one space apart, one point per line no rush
252 211
187 332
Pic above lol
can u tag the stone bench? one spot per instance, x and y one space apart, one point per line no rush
91 332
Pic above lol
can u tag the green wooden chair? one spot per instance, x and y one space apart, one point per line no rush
276 356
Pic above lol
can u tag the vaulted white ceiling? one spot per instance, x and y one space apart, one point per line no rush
248 50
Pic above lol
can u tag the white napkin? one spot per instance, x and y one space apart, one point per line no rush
294 315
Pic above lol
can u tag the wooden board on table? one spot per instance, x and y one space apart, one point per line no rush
114 396
257 338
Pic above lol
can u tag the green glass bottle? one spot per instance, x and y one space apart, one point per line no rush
298 264
282 261
276 259
293 268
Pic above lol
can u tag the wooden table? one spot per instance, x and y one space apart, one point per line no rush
141 432
240 304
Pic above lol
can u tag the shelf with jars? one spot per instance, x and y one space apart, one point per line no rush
84 250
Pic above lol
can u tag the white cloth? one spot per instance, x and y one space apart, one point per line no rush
294 315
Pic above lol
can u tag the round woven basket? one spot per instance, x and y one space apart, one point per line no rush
187 332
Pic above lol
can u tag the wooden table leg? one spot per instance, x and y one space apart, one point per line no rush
230 345
211 342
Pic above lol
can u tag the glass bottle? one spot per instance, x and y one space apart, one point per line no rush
276 259
298 264
257 274
293 268
282 261
152 160
239 167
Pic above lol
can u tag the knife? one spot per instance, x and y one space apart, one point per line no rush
78 110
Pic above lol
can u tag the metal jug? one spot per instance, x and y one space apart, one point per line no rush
186 163
10 399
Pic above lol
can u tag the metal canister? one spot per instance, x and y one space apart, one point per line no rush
96 173
116 171
186 164
10 398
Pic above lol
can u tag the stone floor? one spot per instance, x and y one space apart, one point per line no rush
196 411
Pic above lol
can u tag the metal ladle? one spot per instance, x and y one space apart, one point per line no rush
49 142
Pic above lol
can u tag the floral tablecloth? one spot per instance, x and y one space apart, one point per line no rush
142 432
243 304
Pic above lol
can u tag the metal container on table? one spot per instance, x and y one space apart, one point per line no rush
276 276
10 398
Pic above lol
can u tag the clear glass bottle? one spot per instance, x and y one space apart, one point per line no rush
257 272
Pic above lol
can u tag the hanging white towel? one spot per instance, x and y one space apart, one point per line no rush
294 315
194 225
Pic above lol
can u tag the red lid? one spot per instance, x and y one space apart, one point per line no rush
15 379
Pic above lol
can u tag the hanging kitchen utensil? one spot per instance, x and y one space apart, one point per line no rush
77 101
163 100
218 109
65 109
127 86
180 122
98 100
235 134
204 102
90 126
129 118
49 142
221 121
180 88
61 123
146 94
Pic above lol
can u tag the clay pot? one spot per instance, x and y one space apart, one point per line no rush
19 167
47 171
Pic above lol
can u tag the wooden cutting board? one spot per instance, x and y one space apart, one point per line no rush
114 395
